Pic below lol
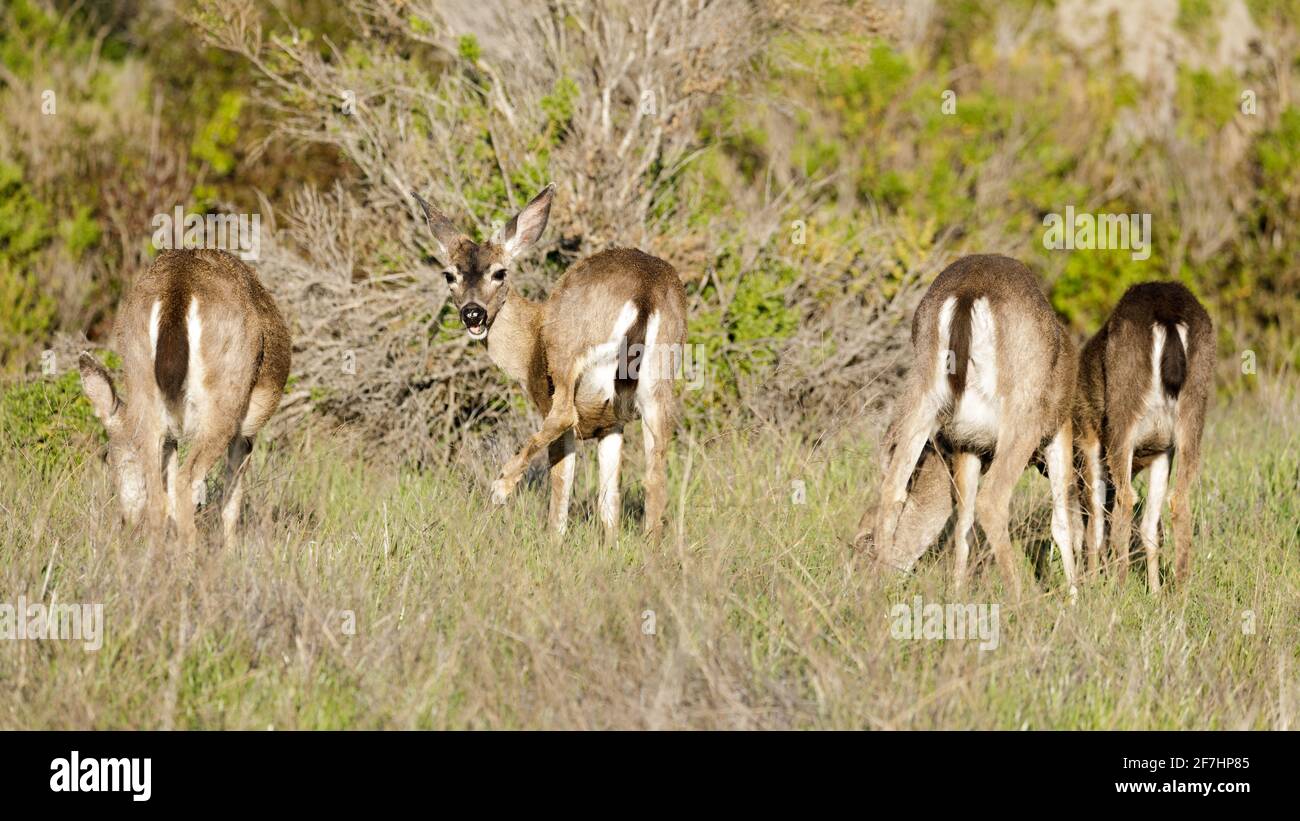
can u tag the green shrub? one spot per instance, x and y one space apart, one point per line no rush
48 422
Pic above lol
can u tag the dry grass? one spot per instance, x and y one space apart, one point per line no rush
469 616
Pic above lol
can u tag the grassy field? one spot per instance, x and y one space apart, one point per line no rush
371 597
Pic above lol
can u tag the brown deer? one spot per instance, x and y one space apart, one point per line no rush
1143 389
993 382
600 350
205 357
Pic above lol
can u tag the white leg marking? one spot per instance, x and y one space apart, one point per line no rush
1097 518
1156 490
600 364
1058 474
609 452
566 467
195 395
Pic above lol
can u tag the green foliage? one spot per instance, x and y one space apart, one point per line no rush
25 23
1278 155
26 314
558 106
1207 102
214 142
48 421
468 48
81 232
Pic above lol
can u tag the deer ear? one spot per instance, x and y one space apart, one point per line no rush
527 225
444 232
98 387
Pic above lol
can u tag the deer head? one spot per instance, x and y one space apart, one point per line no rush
479 273
123 455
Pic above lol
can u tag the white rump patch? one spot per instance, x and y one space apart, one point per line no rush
1155 427
976 415
154 314
600 365
195 398
655 363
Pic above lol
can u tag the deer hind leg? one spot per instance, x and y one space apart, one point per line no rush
1060 459
237 461
563 416
966 475
170 466
609 454
1093 493
656 434
191 480
993 503
562 454
1119 463
1187 448
1150 530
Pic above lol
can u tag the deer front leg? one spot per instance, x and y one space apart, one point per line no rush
563 458
914 430
154 455
562 417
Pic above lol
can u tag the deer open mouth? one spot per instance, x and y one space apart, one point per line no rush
475 317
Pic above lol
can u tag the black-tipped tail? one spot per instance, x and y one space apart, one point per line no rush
172 357
1173 360
959 343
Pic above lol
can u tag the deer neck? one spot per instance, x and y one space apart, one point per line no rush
514 341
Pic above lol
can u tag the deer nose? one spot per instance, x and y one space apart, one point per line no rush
473 315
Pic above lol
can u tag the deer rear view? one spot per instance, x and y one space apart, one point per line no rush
992 383
1143 388
205 357
601 350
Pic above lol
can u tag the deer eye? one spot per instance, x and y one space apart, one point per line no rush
450 277
499 274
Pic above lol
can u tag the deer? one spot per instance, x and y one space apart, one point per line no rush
205 357
1144 384
992 386
597 353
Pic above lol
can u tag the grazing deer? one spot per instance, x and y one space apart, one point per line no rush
205 357
925 513
1143 389
601 349
993 380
